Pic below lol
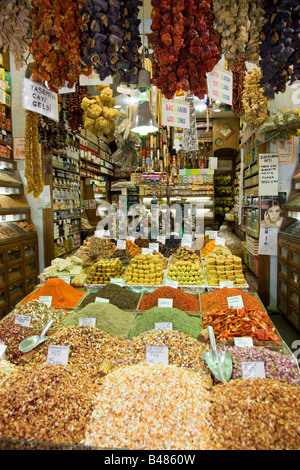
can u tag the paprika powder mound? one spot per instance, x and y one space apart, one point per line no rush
63 295
181 300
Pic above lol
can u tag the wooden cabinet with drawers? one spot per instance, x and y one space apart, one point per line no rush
18 271
288 286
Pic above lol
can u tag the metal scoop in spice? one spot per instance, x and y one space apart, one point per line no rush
219 362
33 341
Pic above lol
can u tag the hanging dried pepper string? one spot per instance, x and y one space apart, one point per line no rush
33 171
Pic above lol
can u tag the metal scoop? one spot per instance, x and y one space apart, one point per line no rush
33 341
219 362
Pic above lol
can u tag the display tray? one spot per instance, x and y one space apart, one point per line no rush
95 288
196 313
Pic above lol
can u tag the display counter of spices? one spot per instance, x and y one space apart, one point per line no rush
186 302
217 299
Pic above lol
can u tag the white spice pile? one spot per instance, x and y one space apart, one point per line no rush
151 407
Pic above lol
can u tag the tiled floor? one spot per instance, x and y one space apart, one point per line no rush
287 331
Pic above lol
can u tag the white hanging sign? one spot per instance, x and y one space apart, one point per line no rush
40 99
268 174
94 79
175 113
219 83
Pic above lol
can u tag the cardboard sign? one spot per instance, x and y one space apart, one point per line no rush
40 99
175 113
219 82
268 174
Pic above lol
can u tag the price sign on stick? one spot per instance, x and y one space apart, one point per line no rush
243 341
58 355
157 355
164 326
165 303
87 321
23 320
235 302
251 370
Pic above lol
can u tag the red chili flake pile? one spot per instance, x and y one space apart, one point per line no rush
181 300
218 300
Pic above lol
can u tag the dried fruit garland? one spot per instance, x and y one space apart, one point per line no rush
74 112
33 173
185 45
280 47
56 42
14 24
255 104
239 70
112 38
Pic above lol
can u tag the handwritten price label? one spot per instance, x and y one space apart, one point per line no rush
58 355
157 355
23 320
235 301
165 303
87 321
243 342
164 326
251 370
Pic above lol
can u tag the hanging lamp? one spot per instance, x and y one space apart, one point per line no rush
144 121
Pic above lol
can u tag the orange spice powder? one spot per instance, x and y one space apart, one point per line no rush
63 295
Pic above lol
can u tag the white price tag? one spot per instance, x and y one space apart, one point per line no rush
121 244
226 283
130 239
23 320
235 302
161 239
117 280
87 321
46 299
154 247
251 370
58 355
2 349
244 341
101 299
146 251
171 283
165 303
187 240
164 326
67 279
220 241
212 234
157 355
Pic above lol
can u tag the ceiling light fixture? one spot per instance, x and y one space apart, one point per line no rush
144 122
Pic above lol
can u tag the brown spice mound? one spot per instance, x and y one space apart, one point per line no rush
256 414
48 404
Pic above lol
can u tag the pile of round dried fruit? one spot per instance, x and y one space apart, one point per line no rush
256 414
48 403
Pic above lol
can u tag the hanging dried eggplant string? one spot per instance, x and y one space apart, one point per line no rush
74 112
33 171
280 46
130 61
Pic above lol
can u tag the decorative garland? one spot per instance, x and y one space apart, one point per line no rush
33 172
185 45
56 42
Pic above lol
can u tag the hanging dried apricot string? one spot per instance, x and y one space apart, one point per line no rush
33 172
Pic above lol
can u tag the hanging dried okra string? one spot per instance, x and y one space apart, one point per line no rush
33 172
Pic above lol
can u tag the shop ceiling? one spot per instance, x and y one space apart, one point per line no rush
200 107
